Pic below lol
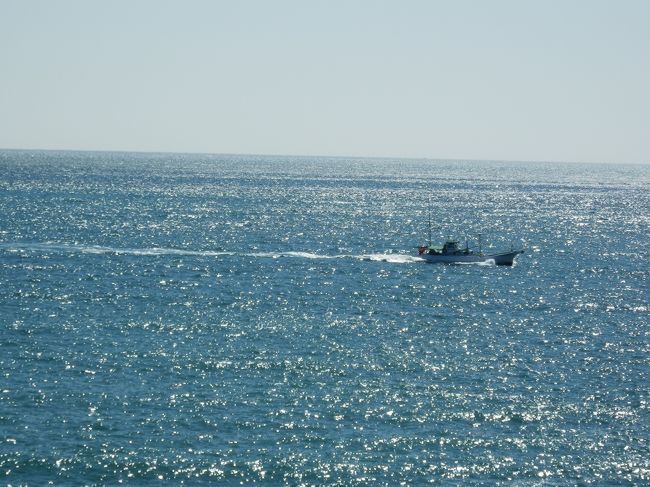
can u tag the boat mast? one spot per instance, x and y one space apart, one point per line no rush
429 221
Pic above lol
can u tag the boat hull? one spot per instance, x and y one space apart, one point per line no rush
504 258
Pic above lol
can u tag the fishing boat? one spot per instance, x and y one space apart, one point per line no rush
451 253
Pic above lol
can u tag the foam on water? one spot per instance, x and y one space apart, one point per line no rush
51 247
487 262
392 258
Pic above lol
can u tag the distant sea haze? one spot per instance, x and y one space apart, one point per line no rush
234 320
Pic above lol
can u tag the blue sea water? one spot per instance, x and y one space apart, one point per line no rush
205 319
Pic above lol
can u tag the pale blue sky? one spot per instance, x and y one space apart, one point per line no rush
545 80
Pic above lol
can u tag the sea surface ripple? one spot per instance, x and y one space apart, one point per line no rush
201 319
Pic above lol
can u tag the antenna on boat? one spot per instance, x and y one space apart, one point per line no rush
480 242
429 221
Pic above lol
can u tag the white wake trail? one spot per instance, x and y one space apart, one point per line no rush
163 251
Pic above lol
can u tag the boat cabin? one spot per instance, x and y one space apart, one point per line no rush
450 247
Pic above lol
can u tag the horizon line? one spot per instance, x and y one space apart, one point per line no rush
404 158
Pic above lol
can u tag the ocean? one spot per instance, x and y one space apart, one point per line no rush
237 320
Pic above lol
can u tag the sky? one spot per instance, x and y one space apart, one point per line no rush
524 80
